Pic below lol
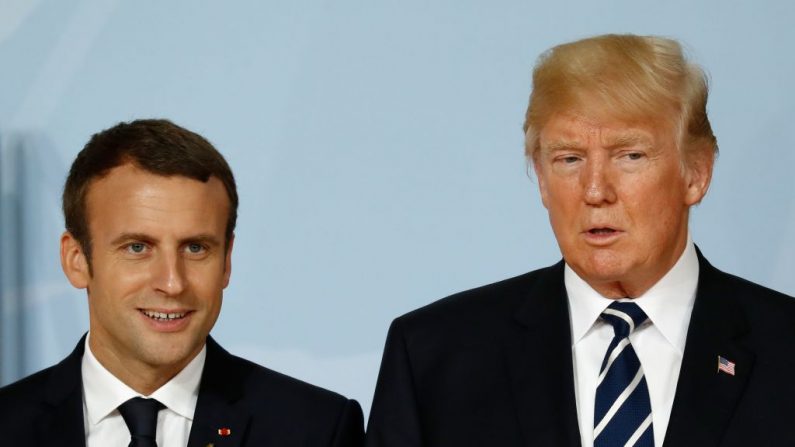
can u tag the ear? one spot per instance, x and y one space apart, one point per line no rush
699 174
542 184
74 262
228 261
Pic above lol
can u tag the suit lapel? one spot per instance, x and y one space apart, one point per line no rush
219 420
540 365
705 398
61 423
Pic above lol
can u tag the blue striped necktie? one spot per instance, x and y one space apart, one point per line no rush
622 416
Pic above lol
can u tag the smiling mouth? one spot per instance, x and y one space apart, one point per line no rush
162 316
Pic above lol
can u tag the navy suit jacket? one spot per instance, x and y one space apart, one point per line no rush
493 367
261 407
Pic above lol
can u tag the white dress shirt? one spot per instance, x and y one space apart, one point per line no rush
103 393
659 343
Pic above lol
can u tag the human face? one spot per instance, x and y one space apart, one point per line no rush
618 196
157 250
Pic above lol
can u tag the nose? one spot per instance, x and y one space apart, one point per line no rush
597 184
169 275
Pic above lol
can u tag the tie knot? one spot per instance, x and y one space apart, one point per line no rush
140 415
624 317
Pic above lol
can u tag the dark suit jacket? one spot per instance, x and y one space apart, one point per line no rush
493 367
260 406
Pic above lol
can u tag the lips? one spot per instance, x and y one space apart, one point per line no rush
602 235
602 230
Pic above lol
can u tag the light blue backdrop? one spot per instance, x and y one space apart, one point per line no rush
377 147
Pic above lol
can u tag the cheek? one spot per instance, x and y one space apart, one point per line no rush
655 213
565 231
109 306
116 279
564 208
207 280
127 285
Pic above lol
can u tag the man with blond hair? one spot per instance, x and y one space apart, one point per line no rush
633 338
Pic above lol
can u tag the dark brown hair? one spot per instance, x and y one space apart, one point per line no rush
154 145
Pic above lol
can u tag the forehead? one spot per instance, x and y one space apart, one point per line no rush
131 199
579 130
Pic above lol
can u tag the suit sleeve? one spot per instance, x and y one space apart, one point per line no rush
394 418
350 427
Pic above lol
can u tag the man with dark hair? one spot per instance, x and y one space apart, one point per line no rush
633 339
150 210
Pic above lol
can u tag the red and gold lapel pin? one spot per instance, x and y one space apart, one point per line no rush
224 431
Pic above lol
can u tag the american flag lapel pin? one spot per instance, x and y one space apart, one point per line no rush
725 365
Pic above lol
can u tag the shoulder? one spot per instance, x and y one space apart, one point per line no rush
25 391
764 309
743 291
50 384
28 401
481 310
272 395
282 409
265 382
22 403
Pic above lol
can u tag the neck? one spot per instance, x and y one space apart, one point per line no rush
618 290
140 376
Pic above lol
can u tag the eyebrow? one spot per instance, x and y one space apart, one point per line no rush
560 145
629 139
207 239
622 140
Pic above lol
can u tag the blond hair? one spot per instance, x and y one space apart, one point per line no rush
633 78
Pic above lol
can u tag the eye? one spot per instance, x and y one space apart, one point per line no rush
568 159
136 247
634 155
195 248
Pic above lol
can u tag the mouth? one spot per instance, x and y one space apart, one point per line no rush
602 236
163 316
602 231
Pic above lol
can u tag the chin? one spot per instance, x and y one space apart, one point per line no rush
168 357
171 353
603 267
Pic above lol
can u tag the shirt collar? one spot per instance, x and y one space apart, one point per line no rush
103 392
668 303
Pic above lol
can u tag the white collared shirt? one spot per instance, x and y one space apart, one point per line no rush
659 343
103 393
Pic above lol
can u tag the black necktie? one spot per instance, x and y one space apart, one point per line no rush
140 415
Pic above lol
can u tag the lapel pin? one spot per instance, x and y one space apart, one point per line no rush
725 365
224 431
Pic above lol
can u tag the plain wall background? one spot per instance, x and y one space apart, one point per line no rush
377 148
